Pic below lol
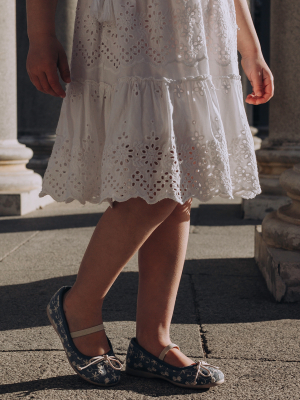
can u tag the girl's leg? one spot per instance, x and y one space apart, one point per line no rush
161 260
119 234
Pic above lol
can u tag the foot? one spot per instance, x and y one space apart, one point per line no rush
173 357
78 318
200 375
176 358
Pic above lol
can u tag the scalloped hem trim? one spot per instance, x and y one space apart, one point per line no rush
245 194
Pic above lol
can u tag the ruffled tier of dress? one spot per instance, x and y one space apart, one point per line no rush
154 139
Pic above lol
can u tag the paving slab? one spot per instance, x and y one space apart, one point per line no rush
59 209
221 242
53 249
25 326
240 319
11 241
47 375
250 337
16 278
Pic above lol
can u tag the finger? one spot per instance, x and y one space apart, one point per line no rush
45 84
36 82
269 85
63 67
256 100
268 82
53 81
257 83
252 99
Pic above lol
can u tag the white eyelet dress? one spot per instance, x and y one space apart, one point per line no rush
155 108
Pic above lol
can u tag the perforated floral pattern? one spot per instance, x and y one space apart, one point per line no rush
140 360
155 107
158 32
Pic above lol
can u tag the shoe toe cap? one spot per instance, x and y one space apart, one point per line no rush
217 375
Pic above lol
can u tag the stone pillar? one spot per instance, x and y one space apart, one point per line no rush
38 113
281 150
277 247
19 187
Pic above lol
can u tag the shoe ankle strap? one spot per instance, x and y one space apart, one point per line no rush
166 349
87 331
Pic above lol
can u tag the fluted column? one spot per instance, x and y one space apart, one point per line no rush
281 150
18 186
38 113
277 246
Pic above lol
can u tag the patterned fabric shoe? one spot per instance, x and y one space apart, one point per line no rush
200 375
101 370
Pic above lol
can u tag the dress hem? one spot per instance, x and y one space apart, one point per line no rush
240 193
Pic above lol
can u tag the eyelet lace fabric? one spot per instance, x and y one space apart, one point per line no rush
155 106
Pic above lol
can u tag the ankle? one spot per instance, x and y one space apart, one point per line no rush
79 309
153 344
173 357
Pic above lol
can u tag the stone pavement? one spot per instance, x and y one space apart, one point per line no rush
223 311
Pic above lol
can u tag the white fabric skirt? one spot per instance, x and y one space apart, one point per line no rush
155 106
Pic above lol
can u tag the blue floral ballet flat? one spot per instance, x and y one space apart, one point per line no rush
100 370
200 375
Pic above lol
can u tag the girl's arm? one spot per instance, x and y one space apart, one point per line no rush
253 63
45 54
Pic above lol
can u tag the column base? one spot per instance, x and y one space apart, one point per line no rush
38 164
16 204
41 143
261 205
280 269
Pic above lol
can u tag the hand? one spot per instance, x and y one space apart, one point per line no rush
261 79
45 56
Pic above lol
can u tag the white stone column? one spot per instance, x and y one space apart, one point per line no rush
277 246
19 187
37 118
281 150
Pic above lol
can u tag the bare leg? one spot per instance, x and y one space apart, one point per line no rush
119 234
161 259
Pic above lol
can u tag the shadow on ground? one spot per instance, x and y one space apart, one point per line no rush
147 387
227 291
24 306
49 223
204 215
220 215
